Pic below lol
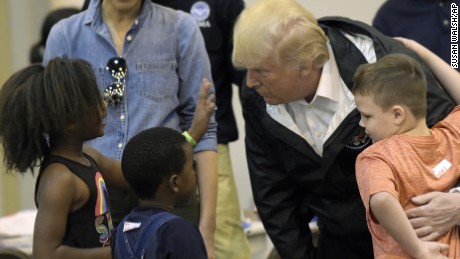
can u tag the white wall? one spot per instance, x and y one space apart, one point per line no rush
54 4
25 21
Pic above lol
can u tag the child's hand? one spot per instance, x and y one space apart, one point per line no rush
408 43
413 45
203 111
432 250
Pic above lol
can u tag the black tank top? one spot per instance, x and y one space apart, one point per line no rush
91 225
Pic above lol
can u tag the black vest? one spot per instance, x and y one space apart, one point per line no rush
91 225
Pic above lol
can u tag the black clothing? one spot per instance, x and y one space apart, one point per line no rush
291 182
426 21
91 225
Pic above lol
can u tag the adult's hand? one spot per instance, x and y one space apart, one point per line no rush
435 214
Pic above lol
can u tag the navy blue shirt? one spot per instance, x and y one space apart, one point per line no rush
425 21
177 238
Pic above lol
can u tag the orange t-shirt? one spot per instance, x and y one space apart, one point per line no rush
406 166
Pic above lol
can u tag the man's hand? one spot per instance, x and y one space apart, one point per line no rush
435 214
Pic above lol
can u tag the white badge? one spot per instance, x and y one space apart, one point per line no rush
127 226
441 168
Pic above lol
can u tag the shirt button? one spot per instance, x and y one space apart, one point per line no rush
318 135
445 22
120 145
136 22
129 38
122 117
441 4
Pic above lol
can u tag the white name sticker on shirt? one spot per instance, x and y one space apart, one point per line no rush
441 168
130 226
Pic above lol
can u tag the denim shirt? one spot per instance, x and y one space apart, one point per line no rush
166 60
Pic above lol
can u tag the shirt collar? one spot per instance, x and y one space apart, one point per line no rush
91 11
329 82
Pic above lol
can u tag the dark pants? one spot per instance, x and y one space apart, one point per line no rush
351 247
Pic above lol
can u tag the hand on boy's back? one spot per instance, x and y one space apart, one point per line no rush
434 214
204 109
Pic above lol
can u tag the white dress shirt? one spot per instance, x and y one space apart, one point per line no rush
333 101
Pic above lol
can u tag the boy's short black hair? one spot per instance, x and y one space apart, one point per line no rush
152 156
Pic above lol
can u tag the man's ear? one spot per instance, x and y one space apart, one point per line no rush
173 183
305 69
399 114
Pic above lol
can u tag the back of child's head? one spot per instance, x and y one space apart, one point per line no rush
38 103
151 157
394 79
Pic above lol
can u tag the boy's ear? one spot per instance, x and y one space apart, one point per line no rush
399 114
173 183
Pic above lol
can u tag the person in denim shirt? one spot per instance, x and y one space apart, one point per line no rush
166 62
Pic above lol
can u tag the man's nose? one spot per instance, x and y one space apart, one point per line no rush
251 79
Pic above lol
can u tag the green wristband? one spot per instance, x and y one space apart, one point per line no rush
189 138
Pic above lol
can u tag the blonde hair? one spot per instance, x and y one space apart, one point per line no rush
282 28
394 79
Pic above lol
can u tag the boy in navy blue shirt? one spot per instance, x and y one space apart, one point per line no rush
158 164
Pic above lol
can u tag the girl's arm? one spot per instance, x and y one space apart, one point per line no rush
387 210
59 193
449 77
110 168
206 162
206 165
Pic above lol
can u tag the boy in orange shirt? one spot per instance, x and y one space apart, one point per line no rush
406 159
